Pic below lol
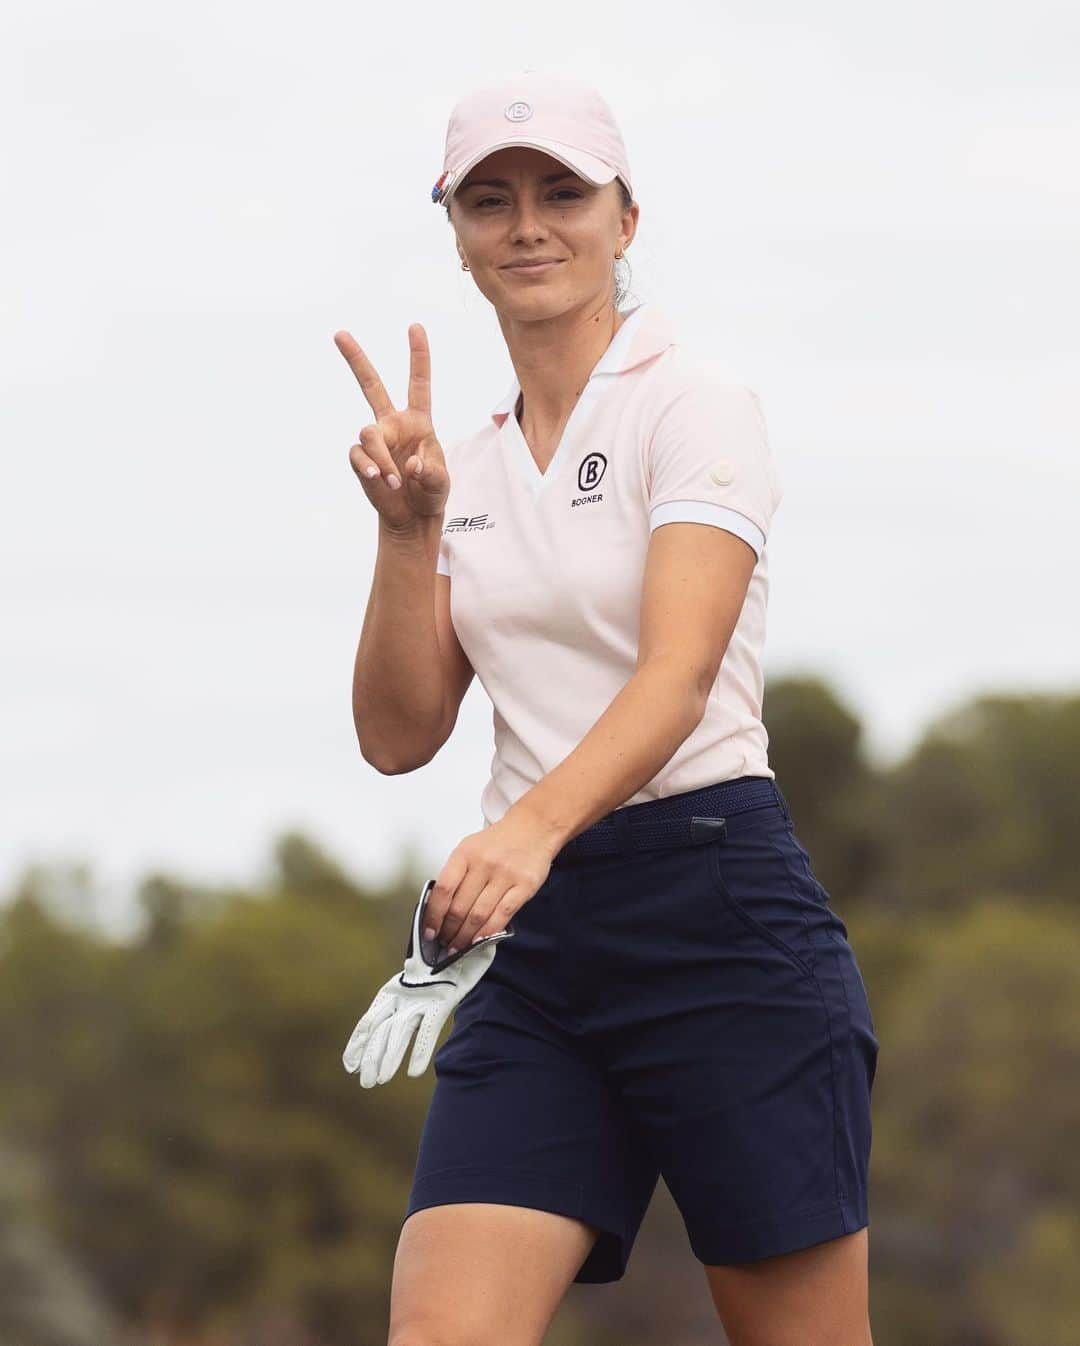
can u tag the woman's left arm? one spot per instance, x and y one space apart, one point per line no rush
695 583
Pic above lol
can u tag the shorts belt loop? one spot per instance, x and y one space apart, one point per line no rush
624 833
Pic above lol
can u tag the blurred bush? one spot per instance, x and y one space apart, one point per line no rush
200 1155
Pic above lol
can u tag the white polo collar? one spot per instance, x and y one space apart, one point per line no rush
645 332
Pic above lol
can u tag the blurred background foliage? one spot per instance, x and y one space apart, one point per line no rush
185 1162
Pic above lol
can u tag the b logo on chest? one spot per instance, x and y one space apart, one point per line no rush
591 472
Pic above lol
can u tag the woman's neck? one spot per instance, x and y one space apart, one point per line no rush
553 361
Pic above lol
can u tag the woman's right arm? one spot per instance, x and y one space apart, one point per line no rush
410 673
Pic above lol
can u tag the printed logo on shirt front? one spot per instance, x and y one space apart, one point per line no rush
468 523
590 473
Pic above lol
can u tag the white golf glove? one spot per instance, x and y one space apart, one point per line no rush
432 982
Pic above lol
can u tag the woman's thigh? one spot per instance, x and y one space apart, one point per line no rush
483 1274
813 1297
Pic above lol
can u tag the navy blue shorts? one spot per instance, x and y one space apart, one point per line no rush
679 998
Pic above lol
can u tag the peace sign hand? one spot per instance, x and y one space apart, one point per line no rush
399 446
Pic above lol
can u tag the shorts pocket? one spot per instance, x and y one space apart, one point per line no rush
750 872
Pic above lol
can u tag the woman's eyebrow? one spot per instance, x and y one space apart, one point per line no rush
501 182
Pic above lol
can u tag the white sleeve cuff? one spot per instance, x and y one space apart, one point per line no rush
701 511
442 567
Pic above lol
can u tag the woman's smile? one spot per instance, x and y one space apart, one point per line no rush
531 268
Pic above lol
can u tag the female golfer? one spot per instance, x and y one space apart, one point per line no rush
678 996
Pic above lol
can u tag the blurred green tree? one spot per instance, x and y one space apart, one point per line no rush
210 1168
47 1300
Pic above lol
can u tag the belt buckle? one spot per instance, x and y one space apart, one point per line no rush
707 829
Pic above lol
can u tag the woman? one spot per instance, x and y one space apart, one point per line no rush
679 997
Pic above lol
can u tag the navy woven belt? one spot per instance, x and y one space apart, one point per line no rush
688 819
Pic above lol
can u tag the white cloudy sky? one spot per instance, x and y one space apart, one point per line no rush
872 211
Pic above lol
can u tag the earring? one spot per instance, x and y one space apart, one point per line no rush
465 266
618 254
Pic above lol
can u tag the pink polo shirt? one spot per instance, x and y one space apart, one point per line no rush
546 568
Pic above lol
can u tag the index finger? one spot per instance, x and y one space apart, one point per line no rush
419 369
371 385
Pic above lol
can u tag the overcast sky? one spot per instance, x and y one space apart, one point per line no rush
872 212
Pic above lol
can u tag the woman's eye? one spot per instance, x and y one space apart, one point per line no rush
481 201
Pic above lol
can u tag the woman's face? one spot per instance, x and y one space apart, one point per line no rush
520 204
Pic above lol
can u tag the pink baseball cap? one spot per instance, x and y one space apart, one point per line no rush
564 118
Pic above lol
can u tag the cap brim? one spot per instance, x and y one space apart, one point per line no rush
588 166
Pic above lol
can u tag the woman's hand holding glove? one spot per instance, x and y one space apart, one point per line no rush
425 992
488 878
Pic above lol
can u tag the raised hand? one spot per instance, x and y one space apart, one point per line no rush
398 446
